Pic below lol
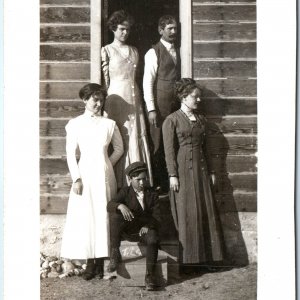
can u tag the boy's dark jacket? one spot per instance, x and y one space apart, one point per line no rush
128 197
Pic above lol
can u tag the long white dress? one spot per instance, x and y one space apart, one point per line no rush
124 105
86 232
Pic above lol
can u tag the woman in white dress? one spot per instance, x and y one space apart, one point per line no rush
124 105
86 233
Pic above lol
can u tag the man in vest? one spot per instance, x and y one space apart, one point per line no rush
162 69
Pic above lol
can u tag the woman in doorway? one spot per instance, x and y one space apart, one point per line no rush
86 233
192 202
124 105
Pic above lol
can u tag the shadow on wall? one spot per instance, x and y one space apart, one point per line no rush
236 252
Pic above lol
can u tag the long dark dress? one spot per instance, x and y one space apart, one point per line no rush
193 206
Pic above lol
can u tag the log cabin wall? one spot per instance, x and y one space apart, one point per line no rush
64 69
224 64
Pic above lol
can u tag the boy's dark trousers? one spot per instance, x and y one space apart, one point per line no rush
130 229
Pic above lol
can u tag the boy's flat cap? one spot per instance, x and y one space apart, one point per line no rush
137 166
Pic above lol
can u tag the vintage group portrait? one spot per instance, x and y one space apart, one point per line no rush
149 149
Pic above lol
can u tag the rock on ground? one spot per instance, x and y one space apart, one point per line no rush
234 284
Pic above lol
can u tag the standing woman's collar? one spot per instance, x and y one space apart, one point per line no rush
88 113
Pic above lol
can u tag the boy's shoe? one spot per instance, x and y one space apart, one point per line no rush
149 282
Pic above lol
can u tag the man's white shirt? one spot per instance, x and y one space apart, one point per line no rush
150 72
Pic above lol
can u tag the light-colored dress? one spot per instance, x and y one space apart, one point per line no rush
124 106
193 207
86 232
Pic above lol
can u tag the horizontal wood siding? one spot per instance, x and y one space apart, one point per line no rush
65 34
224 65
226 32
64 2
66 14
64 69
65 52
231 124
224 13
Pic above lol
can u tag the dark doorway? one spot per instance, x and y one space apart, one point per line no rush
146 14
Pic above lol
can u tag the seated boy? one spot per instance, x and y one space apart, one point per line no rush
135 213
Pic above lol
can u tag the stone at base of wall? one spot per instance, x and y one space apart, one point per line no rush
238 243
51 230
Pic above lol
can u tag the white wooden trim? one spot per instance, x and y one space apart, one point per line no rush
185 15
96 10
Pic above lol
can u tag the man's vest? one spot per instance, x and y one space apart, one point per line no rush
167 72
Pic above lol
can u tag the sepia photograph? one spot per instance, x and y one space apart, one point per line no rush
176 85
148 158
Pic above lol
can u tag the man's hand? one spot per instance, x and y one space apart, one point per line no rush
78 187
152 116
174 184
143 230
126 212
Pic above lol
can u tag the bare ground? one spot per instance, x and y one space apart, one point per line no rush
234 284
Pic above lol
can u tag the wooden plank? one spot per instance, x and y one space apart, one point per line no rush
96 41
226 184
240 202
64 14
60 90
224 50
245 182
53 204
198 2
52 166
65 2
216 145
185 17
65 34
231 145
61 109
55 147
237 202
65 71
224 13
69 108
53 127
233 125
224 32
228 87
71 52
221 163
55 185
225 69
222 107
229 163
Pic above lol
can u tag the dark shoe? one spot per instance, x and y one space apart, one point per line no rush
149 282
89 272
115 258
99 270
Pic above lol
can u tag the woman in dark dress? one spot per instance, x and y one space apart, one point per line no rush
192 202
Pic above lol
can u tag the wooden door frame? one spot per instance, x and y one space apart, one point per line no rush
185 18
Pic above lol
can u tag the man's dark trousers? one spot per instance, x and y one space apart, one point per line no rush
130 230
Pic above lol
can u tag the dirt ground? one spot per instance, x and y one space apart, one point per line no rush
234 284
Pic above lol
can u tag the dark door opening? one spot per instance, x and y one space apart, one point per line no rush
144 32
